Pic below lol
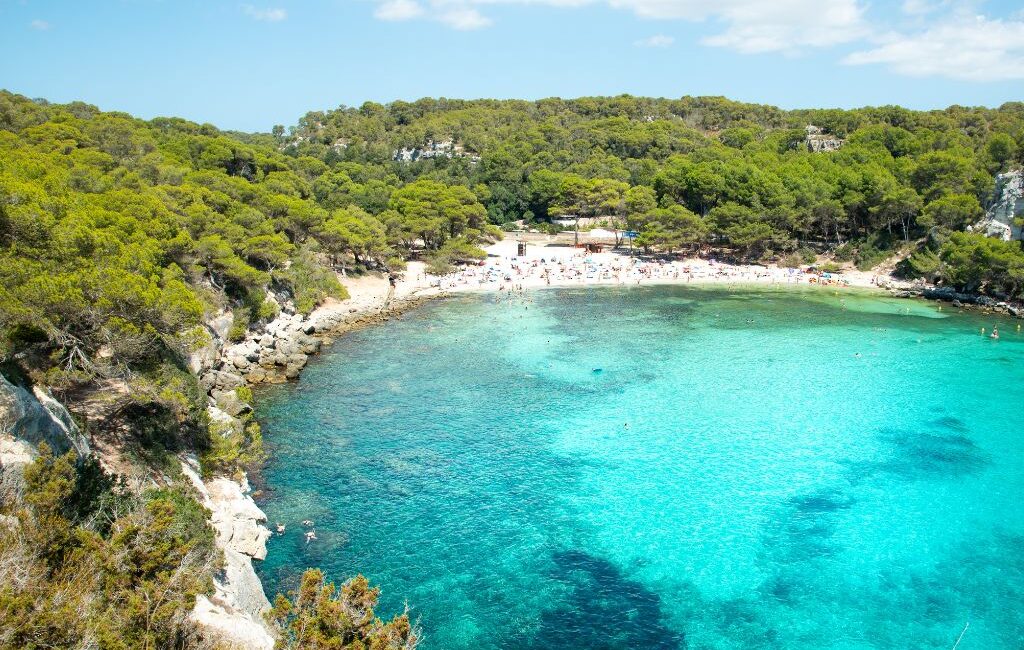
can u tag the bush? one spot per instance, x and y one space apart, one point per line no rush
319 616
310 283
792 261
239 325
99 576
230 450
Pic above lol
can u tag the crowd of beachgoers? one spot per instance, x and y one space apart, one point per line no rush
505 269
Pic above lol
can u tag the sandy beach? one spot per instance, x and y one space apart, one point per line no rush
561 266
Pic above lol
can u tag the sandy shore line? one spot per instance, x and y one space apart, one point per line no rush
559 266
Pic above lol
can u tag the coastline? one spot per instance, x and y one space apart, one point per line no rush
373 300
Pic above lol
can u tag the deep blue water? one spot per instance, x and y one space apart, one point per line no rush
734 476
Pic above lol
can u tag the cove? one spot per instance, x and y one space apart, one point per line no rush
749 468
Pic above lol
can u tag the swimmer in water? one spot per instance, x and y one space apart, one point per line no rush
995 333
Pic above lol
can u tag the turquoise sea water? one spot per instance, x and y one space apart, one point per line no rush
734 475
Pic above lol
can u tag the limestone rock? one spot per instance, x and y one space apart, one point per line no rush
235 612
35 417
230 627
817 140
220 417
229 402
220 379
203 358
1007 204
221 325
15 452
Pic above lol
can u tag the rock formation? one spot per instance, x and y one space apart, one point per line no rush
1007 205
817 140
434 149
235 612
28 418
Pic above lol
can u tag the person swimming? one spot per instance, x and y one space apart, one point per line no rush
995 333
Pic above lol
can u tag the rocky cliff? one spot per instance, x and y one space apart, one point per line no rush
235 612
817 140
31 417
1006 206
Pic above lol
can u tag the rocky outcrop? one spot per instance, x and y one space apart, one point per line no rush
434 149
204 357
817 140
28 418
235 612
276 353
280 350
1007 205
960 299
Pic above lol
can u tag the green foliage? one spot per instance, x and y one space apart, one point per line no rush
669 229
122 580
618 157
434 213
239 325
319 616
354 231
230 450
310 283
974 262
867 253
459 250
922 263
952 211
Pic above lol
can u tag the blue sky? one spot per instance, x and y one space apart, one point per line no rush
252 65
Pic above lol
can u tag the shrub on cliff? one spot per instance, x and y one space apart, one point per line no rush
319 616
87 567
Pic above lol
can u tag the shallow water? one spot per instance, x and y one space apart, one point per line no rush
665 467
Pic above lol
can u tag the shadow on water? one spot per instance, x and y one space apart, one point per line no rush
951 423
602 610
804 532
923 455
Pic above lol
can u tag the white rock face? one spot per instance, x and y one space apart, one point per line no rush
818 141
15 452
32 418
1007 205
279 352
237 519
235 613
231 629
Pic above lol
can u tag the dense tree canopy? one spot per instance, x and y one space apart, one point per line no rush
743 170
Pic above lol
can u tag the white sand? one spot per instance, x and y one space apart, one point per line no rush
565 266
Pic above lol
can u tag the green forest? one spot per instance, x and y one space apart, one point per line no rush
119 237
